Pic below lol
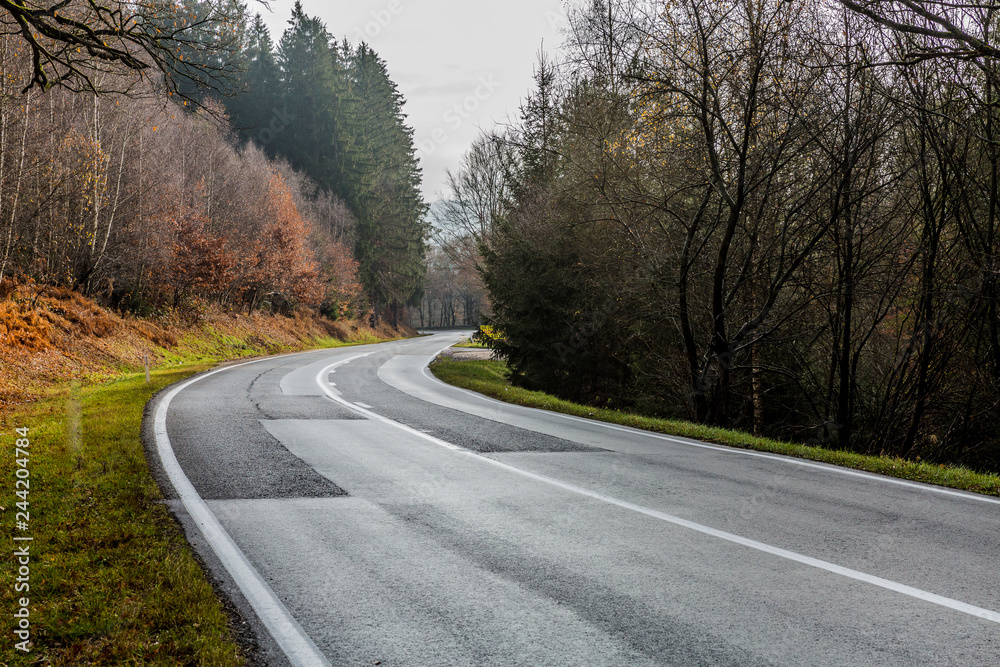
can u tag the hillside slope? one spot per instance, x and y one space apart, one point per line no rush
51 335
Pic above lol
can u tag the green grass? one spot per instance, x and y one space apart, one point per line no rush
214 347
113 580
468 342
489 378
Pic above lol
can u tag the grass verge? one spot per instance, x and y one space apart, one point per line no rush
468 342
489 377
112 578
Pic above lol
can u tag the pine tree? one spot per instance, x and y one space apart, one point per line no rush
389 206
257 111
210 57
310 69
539 125
334 113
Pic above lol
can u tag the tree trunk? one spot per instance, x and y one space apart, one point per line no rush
17 187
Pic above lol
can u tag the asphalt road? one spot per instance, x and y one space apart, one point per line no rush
386 518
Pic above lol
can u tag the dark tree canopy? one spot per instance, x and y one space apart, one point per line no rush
779 215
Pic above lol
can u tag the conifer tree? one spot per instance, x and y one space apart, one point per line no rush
257 111
332 110
309 87
386 193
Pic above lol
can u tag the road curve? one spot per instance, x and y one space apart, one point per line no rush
358 511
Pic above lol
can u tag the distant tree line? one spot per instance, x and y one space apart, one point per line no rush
453 294
767 214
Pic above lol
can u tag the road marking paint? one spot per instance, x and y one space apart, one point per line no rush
857 575
290 636
371 415
362 405
933 598
730 450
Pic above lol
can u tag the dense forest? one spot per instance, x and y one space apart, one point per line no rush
234 170
774 215
332 111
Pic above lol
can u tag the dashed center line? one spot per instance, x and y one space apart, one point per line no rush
926 596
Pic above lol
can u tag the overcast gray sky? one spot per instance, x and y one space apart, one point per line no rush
461 64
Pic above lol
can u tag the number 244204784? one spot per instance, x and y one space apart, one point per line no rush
22 473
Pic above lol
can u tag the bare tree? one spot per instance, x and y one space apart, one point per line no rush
73 42
949 29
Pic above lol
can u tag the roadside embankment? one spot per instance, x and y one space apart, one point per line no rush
109 577
49 336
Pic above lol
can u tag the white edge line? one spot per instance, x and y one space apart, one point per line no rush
857 575
287 632
933 598
828 467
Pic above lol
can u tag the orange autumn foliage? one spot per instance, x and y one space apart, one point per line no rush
340 273
279 262
21 328
199 262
